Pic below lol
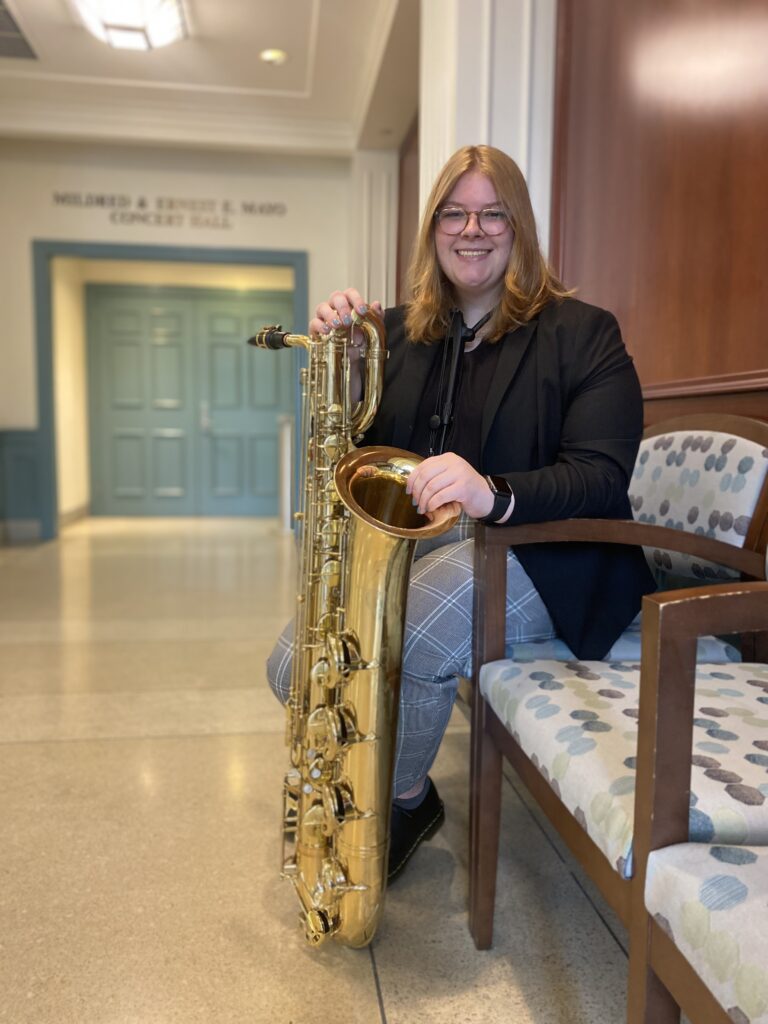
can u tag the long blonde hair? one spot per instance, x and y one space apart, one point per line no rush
529 283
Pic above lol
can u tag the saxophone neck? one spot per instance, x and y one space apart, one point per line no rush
364 412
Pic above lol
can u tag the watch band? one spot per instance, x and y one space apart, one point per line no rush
502 498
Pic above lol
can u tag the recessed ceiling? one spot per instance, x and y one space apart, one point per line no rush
351 77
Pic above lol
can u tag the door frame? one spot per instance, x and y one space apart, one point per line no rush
43 251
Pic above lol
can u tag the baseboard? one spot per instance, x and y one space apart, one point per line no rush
74 514
20 531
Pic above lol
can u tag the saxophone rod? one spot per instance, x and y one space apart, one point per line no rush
276 338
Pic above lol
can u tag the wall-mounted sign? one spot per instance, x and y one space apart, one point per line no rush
169 211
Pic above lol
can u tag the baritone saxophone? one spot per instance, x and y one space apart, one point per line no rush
358 530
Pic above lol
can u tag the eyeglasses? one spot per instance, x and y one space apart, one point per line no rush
454 219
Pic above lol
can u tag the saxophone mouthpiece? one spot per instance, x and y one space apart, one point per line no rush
270 337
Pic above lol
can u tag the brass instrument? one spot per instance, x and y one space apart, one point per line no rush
358 532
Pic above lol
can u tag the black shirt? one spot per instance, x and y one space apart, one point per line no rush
477 371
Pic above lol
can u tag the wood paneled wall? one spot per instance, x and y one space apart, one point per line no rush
408 204
660 202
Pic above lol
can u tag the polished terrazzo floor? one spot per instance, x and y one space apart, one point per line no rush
140 763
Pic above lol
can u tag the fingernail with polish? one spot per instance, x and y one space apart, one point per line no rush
362 309
336 322
347 320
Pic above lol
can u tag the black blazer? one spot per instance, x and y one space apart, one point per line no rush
562 422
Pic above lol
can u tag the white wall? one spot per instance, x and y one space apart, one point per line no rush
488 77
70 388
314 193
373 225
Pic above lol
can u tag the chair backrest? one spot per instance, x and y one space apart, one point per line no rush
706 474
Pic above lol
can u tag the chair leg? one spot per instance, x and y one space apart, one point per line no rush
484 825
648 1001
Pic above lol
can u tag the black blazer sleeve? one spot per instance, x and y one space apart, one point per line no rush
589 393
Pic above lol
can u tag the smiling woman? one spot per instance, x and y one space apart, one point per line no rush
532 413
473 259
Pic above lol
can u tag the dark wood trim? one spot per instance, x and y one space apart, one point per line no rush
560 137
744 426
682 981
484 825
627 531
648 999
696 611
489 596
752 404
407 205
726 383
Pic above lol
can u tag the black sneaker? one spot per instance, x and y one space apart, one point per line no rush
410 828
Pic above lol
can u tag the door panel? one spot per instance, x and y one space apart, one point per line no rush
228 471
245 393
126 372
141 379
263 463
169 461
128 464
184 417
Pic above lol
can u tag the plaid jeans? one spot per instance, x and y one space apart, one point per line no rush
438 644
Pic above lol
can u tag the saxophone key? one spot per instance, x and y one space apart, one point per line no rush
317 926
338 807
318 771
333 446
331 730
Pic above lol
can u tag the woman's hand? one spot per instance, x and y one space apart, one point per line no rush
337 311
445 478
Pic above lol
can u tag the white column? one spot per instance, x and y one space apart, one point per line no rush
487 76
373 225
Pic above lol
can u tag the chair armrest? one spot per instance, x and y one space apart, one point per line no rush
671 623
627 531
697 611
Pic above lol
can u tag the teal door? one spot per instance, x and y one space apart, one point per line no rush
183 415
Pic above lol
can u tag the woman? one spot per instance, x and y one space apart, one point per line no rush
547 419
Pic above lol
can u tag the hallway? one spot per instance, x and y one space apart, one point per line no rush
141 756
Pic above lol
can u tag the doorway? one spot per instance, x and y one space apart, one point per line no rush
183 417
47 456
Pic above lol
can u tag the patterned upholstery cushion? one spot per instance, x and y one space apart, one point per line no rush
704 483
577 721
713 902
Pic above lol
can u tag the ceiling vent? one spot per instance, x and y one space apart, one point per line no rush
12 42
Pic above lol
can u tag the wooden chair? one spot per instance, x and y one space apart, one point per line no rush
515 697
692 890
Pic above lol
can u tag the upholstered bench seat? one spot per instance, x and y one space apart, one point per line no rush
713 903
577 722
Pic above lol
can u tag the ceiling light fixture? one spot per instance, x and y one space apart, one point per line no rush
134 24
273 56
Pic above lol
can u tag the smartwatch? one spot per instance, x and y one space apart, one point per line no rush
502 498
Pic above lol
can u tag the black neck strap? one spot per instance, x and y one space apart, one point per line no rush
457 336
